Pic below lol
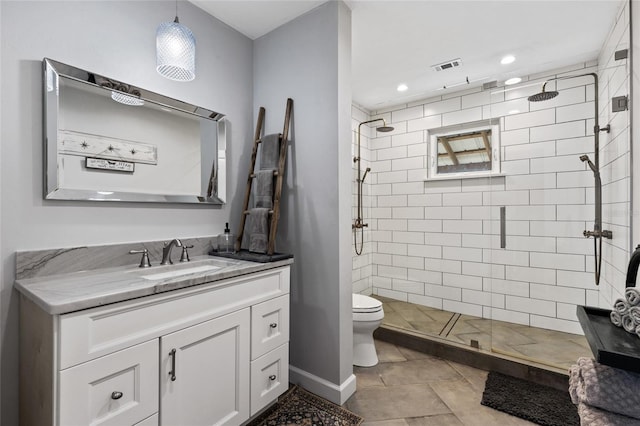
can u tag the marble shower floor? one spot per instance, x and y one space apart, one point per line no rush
531 344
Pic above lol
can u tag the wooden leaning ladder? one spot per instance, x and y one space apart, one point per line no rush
279 173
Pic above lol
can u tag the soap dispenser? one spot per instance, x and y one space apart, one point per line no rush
225 241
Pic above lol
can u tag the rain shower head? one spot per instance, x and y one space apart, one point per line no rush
384 129
544 95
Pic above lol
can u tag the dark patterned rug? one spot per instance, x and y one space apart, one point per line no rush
300 407
530 401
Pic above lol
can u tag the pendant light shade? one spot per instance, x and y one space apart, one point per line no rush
175 51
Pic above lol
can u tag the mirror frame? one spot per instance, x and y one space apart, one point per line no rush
213 191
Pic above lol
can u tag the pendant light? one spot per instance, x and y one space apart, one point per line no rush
175 51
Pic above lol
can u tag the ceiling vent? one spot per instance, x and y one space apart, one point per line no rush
447 65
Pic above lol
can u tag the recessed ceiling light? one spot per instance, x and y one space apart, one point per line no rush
507 60
514 80
402 87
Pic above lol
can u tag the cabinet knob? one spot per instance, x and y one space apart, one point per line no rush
273 325
272 377
116 395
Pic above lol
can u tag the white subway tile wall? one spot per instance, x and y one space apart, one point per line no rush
437 243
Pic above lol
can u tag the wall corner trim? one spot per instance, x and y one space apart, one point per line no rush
338 394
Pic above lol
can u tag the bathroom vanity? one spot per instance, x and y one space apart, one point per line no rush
205 342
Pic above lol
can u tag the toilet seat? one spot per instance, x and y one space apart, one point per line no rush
365 304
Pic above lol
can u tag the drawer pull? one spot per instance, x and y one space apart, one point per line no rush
273 325
172 373
272 377
116 395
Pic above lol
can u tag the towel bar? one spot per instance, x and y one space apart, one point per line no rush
260 140
253 175
247 212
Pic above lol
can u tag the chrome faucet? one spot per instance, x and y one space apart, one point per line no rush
166 251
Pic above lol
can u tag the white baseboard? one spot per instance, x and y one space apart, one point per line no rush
338 394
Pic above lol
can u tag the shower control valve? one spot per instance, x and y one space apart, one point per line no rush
598 234
359 224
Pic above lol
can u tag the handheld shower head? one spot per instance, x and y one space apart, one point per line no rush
367 170
592 166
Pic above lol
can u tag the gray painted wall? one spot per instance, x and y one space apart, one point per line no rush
308 60
116 39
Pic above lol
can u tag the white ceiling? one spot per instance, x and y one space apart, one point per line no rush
397 41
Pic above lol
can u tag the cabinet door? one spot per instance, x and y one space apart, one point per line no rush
205 373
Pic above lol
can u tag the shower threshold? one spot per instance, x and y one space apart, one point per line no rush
531 353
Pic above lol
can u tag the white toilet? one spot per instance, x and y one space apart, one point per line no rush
367 316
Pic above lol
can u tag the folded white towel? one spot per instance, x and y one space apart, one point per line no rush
634 312
632 295
628 323
621 305
616 318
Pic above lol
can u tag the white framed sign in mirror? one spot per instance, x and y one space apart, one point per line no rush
105 140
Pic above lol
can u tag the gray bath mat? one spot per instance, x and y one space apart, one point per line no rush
530 401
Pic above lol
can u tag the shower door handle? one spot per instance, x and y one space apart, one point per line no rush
503 227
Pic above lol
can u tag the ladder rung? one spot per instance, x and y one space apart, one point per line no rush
260 140
247 212
253 175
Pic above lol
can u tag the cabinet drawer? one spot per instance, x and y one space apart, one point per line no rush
269 325
92 333
117 389
269 377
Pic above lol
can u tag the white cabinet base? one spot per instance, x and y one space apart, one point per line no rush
111 365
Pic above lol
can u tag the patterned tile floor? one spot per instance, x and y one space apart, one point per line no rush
409 388
552 348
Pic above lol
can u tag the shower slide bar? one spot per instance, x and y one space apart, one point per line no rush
359 221
597 233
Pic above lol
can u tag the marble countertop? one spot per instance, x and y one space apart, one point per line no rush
64 293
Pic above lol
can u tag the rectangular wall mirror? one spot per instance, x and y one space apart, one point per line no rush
106 140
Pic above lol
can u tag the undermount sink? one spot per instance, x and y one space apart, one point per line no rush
178 270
